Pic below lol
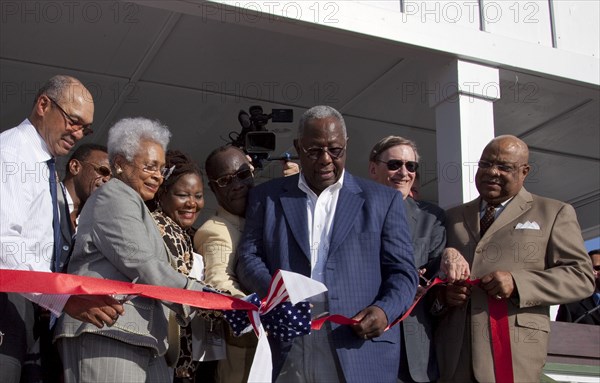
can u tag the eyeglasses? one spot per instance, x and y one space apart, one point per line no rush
241 175
87 129
315 153
104 171
163 172
394 165
504 168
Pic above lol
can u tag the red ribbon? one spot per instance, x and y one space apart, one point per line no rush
499 330
340 319
20 281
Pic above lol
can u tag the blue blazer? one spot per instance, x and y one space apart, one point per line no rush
370 262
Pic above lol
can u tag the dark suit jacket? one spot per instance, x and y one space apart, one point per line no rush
426 222
572 311
369 263
65 228
549 266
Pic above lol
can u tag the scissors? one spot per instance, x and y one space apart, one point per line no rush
129 297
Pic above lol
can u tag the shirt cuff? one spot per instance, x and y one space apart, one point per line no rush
52 302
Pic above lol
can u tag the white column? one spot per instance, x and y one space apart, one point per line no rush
463 102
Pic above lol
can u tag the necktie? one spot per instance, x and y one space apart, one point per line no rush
55 216
487 219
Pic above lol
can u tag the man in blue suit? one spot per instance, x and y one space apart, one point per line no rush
350 234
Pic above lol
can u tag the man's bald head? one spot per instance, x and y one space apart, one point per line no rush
503 168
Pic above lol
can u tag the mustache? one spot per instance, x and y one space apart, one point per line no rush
492 179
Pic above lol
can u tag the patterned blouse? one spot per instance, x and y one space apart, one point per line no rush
179 243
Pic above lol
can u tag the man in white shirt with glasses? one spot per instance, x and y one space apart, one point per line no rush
62 114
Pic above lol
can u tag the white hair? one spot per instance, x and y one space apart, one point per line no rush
319 112
125 135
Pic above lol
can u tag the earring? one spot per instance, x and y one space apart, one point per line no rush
119 170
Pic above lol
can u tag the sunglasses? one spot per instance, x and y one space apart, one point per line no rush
241 175
393 165
104 171
596 268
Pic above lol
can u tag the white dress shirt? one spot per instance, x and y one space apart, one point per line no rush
26 234
320 211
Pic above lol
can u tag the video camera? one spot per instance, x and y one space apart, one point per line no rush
255 139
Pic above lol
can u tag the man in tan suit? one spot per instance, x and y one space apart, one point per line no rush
532 256
230 177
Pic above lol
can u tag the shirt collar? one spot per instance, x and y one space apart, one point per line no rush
38 147
303 185
502 205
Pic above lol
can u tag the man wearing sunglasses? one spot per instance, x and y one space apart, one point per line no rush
394 162
528 253
348 233
586 311
87 170
230 177
62 114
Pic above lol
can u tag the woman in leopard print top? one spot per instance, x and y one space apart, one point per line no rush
176 207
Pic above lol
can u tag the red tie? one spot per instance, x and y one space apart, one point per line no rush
487 219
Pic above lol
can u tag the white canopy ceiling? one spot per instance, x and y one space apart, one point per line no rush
195 73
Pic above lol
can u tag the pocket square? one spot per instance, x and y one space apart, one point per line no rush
528 226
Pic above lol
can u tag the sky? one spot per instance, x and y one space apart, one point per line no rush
592 244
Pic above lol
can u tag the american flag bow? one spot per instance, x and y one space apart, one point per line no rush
284 312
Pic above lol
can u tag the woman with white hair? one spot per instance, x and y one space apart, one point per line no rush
118 239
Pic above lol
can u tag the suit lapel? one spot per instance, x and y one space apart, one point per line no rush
515 208
471 217
293 203
348 205
412 211
65 227
65 221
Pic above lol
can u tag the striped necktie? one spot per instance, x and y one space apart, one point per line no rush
487 219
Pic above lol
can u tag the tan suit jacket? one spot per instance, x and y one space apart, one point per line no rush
217 240
549 266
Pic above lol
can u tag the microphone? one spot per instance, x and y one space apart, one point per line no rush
286 157
244 119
